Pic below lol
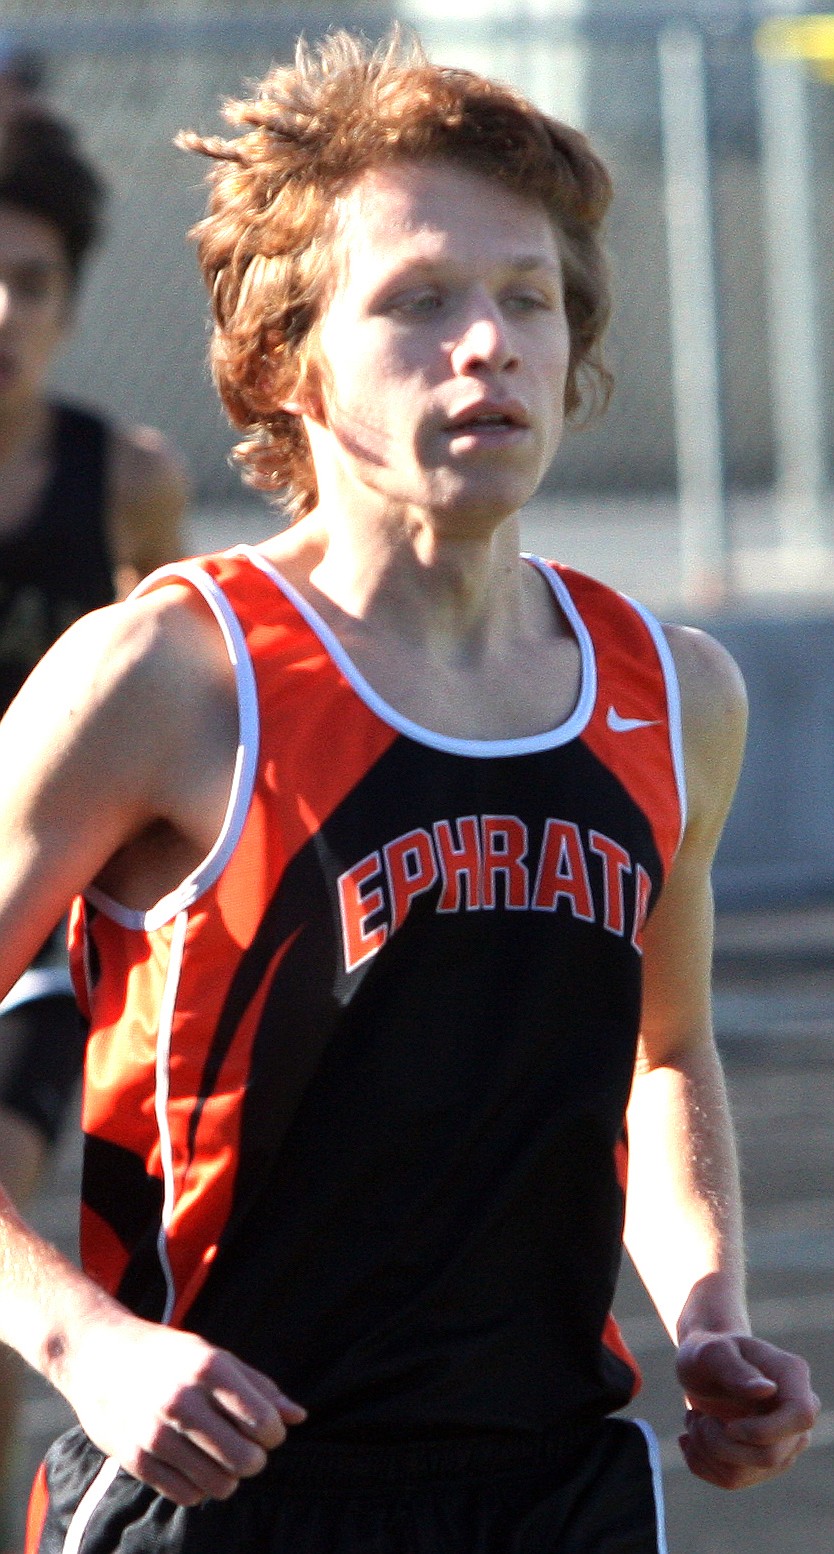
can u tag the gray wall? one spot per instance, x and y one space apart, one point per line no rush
779 841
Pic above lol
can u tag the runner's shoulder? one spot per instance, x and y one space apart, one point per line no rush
158 653
714 725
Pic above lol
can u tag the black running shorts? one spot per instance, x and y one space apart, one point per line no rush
596 1492
43 1041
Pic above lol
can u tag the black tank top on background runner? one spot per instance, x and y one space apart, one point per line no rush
56 565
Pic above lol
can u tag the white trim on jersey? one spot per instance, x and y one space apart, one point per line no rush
167 1006
484 748
657 1481
246 760
673 699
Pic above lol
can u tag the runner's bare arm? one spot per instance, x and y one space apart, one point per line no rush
683 1221
93 750
677 1056
82 776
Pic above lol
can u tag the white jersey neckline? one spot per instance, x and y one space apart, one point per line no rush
488 749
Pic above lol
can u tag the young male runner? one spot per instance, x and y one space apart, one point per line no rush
386 836
87 507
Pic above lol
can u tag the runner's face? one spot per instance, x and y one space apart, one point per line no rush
444 348
34 304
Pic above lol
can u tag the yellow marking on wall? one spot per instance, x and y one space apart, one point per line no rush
800 37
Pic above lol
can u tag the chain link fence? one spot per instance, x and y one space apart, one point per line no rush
130 76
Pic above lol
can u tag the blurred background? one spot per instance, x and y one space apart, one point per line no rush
707 491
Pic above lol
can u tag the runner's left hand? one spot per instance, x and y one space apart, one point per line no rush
750 1408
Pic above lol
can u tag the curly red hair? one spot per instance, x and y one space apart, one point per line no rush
266 246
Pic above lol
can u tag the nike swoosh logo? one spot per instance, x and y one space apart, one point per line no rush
620 725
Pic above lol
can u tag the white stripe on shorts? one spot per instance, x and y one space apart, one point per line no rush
657 1482
88 1504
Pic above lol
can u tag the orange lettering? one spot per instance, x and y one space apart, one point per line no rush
642 898
616 864
459 864
563 872
357 907
504 849
412 869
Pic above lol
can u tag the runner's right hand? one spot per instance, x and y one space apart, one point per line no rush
187 1419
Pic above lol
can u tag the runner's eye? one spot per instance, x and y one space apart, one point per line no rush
418 304
527 301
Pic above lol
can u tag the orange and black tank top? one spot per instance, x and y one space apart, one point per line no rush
355 1092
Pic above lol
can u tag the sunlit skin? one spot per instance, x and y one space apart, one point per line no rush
437 319
431 322
432 319
438 402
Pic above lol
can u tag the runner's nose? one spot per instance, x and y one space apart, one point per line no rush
484 342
